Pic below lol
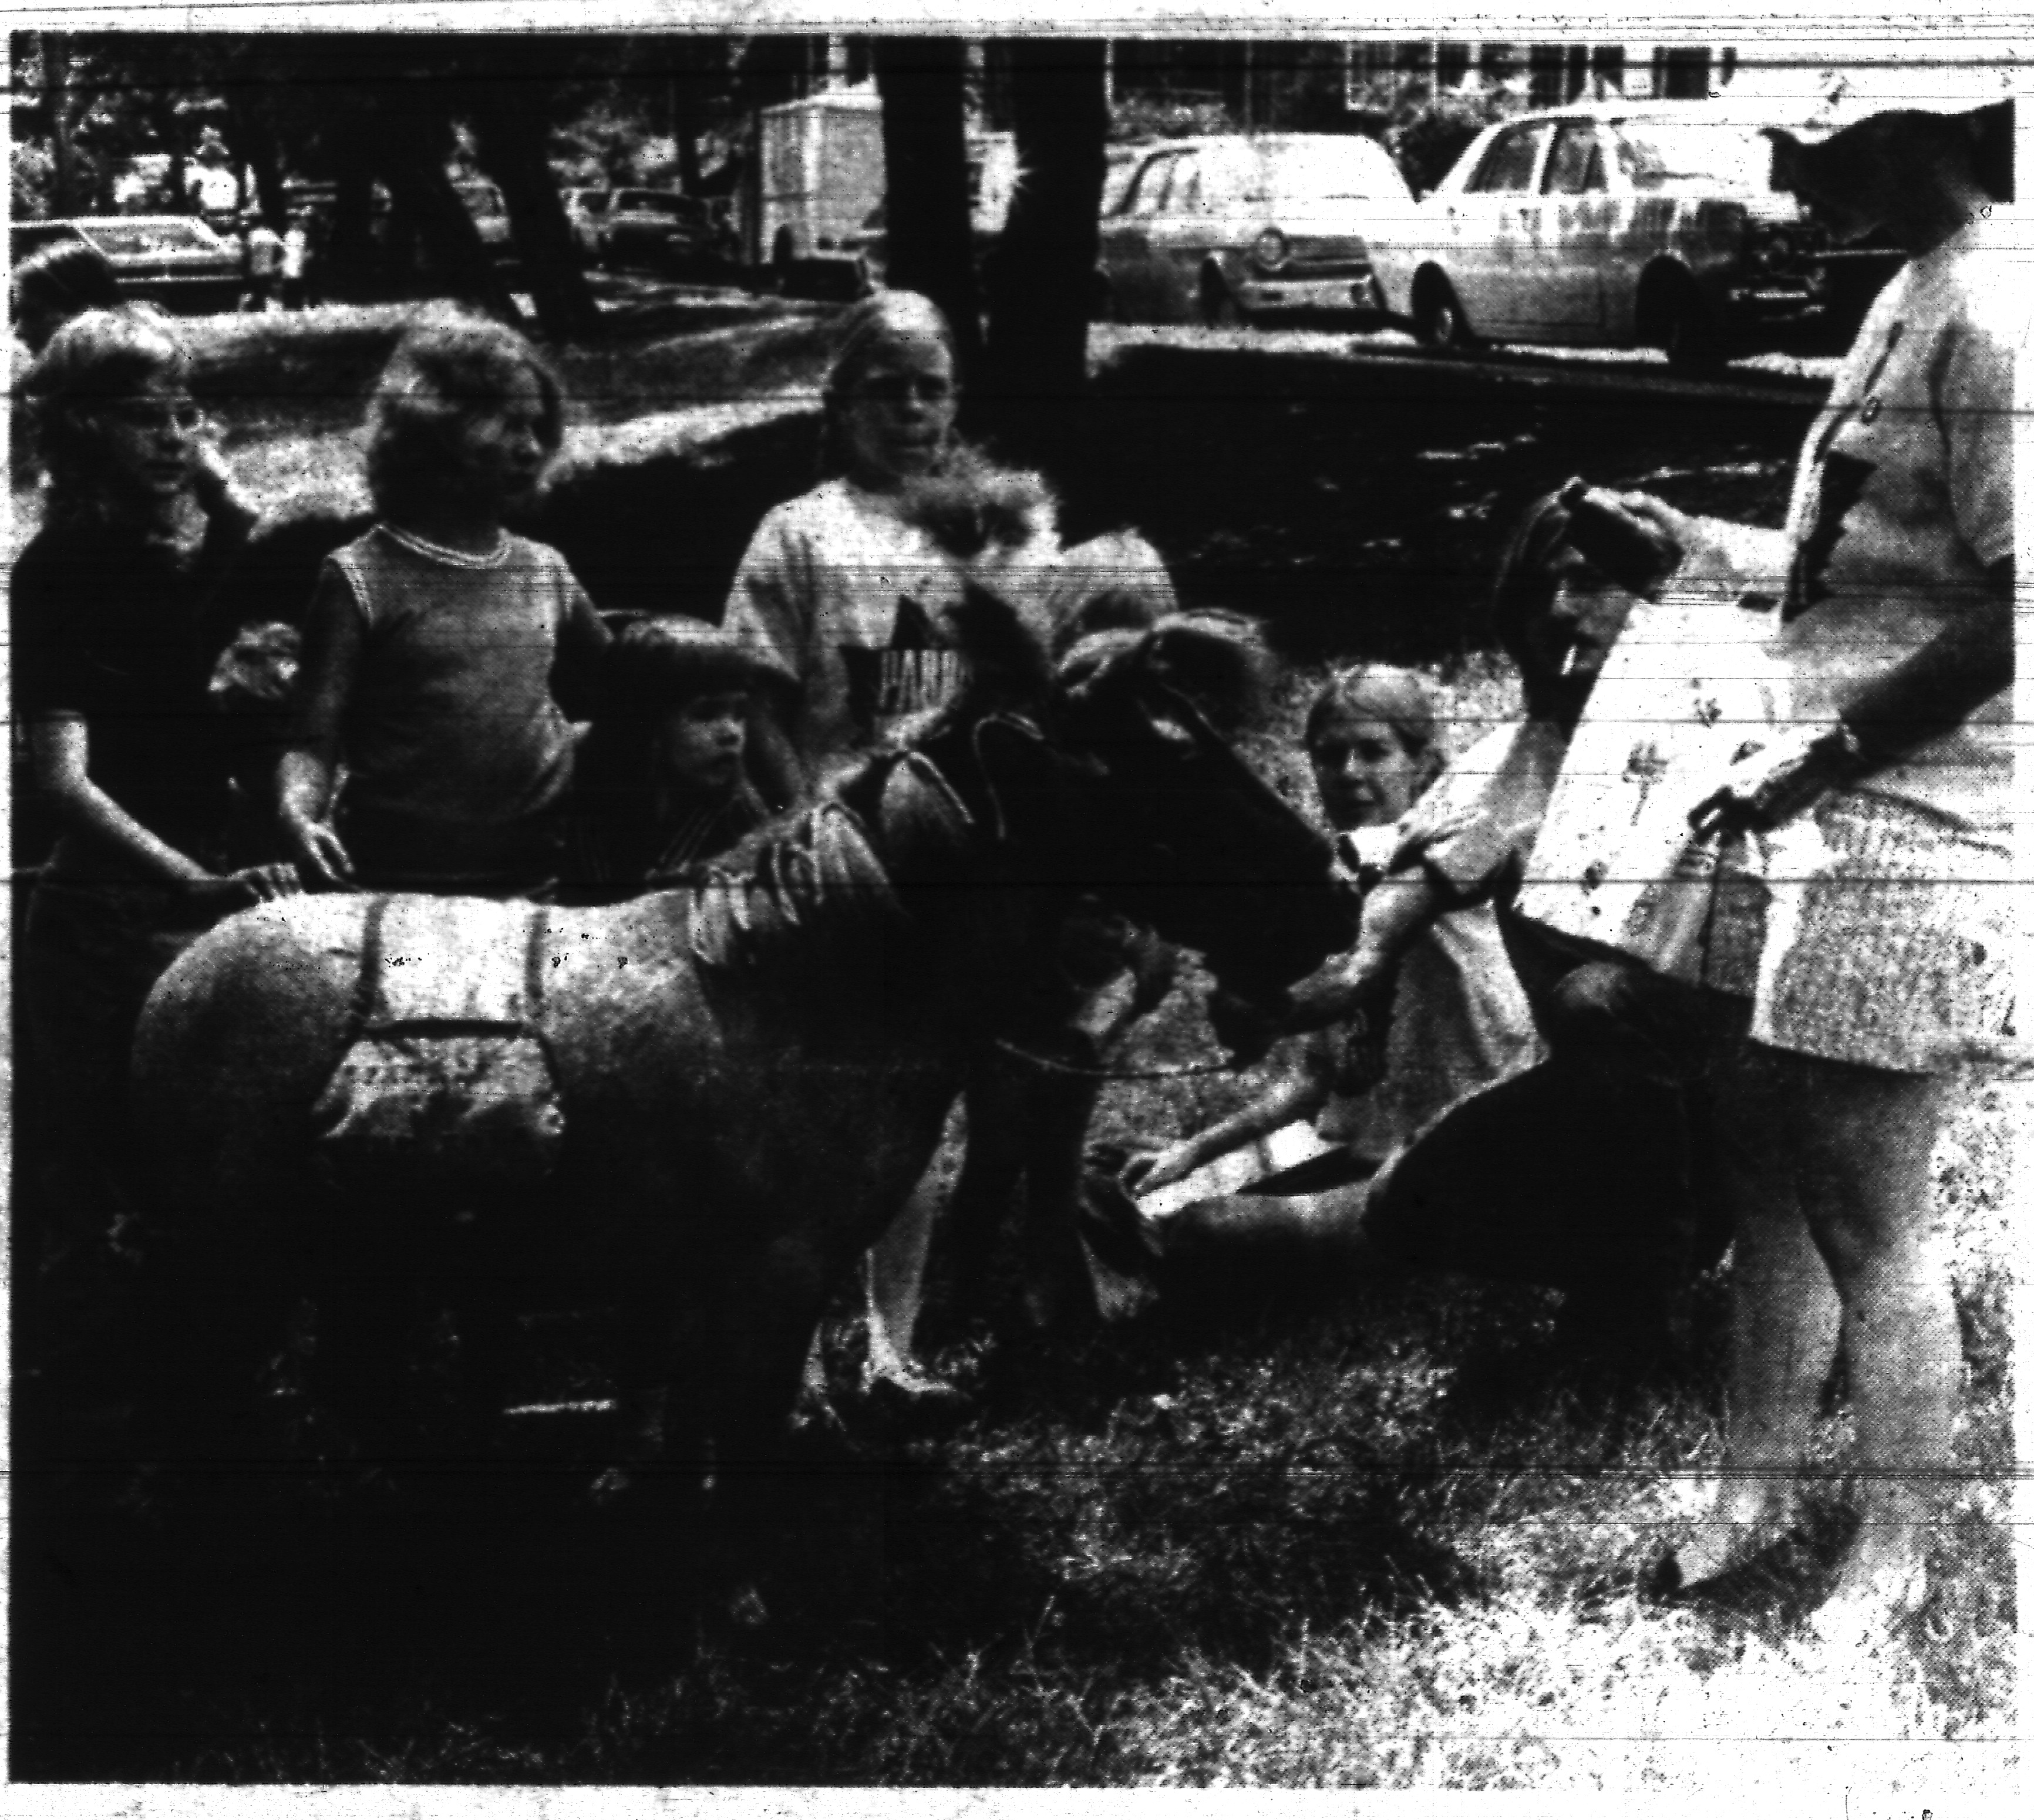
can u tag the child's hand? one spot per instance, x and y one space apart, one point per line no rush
321 854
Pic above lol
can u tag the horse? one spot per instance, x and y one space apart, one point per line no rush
746 1074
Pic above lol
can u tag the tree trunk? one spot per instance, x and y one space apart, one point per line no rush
254 146
511 128
409 147
63 152
922 81
352 263
1041 274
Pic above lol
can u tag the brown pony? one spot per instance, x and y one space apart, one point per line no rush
742 1079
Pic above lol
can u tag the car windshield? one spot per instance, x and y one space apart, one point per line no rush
145 240
1318 170
1655 153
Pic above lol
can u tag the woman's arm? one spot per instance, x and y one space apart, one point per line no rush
1930 692
332 641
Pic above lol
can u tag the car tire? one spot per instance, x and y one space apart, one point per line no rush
1438 318
1218 306
1686 332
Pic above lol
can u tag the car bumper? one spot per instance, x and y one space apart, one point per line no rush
206 294
1266 296
1758 303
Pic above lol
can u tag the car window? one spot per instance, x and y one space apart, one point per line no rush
1182 196
1655 153
1509 163
1147 192
1575 165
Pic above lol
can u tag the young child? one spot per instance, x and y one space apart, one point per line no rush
434 643
841 588
1458 1020
660 783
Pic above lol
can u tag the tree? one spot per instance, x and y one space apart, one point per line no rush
1040 274
923 82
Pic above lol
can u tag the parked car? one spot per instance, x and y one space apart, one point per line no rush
176 260
1234 227
1611 224
586 211
657 228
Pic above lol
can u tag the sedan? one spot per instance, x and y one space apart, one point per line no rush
657 228
1611 224
1232 228
176 260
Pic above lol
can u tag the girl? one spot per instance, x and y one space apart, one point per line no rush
1458 1020
841 590
660 782
114 637
432 644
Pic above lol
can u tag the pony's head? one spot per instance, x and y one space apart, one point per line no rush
1108 767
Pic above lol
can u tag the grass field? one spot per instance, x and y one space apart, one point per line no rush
1398 1537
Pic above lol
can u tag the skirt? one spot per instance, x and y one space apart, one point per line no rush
1887 938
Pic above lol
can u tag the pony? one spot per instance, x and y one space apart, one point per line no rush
742 1077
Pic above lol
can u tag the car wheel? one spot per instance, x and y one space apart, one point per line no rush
1437 315
1686 332
1219 309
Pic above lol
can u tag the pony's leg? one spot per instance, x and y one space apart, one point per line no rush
1057 1110
893 1280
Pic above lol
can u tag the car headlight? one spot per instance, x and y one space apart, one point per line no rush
1271 250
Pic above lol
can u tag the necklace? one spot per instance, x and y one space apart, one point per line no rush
444 552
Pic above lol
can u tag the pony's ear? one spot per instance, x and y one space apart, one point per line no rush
1214 658
1006 651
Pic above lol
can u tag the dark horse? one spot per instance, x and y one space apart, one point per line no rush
751 1072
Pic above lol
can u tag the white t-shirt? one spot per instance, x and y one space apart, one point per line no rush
1902 500
1459 1022
836 573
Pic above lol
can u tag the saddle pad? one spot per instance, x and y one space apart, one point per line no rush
446 1090
462 1117
452 960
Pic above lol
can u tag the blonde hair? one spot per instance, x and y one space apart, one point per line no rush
889 319
94 361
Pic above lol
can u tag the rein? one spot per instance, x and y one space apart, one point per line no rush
1080 1070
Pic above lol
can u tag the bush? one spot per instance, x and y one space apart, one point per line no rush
1427 136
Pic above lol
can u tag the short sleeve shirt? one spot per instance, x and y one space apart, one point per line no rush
1903 499
451 717
107 630
842 597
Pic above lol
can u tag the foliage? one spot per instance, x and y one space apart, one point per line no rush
1139 116
1428 133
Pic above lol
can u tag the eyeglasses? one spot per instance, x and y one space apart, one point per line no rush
181 415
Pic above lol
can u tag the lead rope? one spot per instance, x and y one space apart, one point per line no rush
1081 1071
